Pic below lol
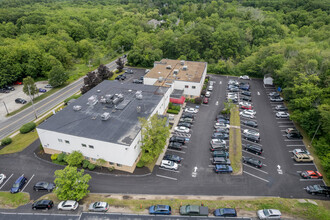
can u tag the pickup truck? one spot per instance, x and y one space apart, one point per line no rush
194 210
318 190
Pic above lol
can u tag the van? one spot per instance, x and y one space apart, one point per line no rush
18 185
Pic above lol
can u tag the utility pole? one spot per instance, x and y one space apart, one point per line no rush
5 107
35 114
315 132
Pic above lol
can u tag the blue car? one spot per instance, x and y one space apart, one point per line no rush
225 212
223 169
18 185
42 90
160 210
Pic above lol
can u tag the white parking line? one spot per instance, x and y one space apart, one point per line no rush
304 164
283 130
167 177
255 168
6 181
251 142
285 122
175 171
177 151
256 176
310 180
220 82
293 140
258 93
264 164
283 135
253 154
281 118
285 126
211 165
28 182
249 127
295 145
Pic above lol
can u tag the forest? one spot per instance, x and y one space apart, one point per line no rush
286 38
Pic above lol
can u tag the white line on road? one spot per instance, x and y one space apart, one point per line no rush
293 140
264 164
251 142
310 180
285 122
283 130
177 151
304 164
6 181
211 165
256 176
295 145
169 170
28 182
283 135
220 82
285 126
167 177
253 154
258 93
255 168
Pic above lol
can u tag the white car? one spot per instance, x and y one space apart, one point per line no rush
269 214
221 125
68 205
245 104
211 83
250 131
208 94
252 112
300 151
182 129
218 142
210 88
233 82
191 110
2 178
48 86
246 115
167 164
282 115
244 77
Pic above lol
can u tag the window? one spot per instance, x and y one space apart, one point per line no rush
119 165
84 145
91 146
186 86
87 158
60 140
194 87
93 159
67 142
111 163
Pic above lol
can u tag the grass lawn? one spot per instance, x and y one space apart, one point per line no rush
235 141
11 201
20 142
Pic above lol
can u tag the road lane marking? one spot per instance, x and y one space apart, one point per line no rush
167 177
28 182
258 93
285 126
220 82
255 168
295 145
243 139
6 180
310 180
292 140
304 164
285 122
176 151
175 171
254 154
256 176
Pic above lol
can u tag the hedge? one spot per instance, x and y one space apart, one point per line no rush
6 141
61 157
172 111
26 128
85 164
91 166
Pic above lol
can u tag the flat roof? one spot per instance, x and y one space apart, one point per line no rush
166 69
122 125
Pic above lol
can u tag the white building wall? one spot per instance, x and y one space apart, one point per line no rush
149 81
190 91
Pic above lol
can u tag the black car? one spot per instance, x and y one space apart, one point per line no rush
20 101
294 135
221 120
222 117
247 93
234 89
179 139
253 148
174 158
318 190
185 124
250 123
44 186
220 160
9 88
222 130
220 136
281 108
175 146
187 115
43 204
250 137
246 98
252 161
137 81
121 77
3 90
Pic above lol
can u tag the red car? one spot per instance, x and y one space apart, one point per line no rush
205 100
309 174
18 83
249 107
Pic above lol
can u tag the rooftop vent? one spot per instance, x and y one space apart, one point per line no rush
168 67
138 95
159 73
182 62
103 100
98 91
160 79
76 107
138 109
117 99
176 71
92 100
108 98
105 116
185 67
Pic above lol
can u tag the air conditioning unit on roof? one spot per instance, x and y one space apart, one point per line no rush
176 71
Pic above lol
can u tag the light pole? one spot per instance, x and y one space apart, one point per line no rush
315 132
35 114
5 107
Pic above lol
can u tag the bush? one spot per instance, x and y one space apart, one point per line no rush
172 111
61 157
198 100
140 164
206 81
26 128
54 157
85 164
75 158
91 166
6 141
111 169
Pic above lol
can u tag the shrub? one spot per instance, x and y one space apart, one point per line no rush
6 141
85 164
172 111
26 128
111 169
206 81
140 164
198 100
54 157
75 158
61 157
91 166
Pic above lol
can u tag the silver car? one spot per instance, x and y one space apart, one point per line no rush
98 207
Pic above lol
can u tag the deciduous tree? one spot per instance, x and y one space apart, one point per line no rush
29 87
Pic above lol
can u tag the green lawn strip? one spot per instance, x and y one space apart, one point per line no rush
20 142
235 142
12 201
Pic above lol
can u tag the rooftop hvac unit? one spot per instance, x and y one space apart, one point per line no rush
138 94
108 98
139 97
168 67
103 100
160 79
185 67
76 107
176 71
105 116
92 100
182 62
138 109
159 73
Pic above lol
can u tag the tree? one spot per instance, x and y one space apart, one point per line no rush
71 184
29 87
154 132
120 64
75 158
100 162
90 81
57 76
103 72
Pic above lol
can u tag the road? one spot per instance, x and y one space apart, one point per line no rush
13 123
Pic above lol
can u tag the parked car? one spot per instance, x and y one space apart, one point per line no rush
252 161
68 205
171 157
208 94
246 98
220 125
167 164
175 145
42 90
293 135
43 204
318 190
253 149
187 115
233 100
251 123
303 158
179 139
9 88
220 136
184 124
44 186
191 110
219 148
248 107
20 101
245 103
300 151
269 214
225 212
282 115
205 100
2 178
194 210
274 94
221 161
182 129
210 88
244 77
3 90
18 185
222 130
252 138
245 87
137 81
98 207
222 117
224 121
246 115
220 153
246 93
289 130
218 142
252 132
310 174
48 86
276 99
160 210
188 120
18 83
280 108
223 168
251 112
